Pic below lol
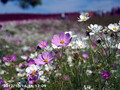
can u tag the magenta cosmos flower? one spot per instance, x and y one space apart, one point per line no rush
44 58
1 81
62 39
10 58
0 26
43 44
33 77
105 74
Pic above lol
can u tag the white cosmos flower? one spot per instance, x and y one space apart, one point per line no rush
18 69
74 38
119 22
118 46
33 68
55 47
81 43
114 27
7 63
25 48
95 28
40 73
24 57
83 17
43 78
88 72
49 67
33 55
21 74
58 74
69 60
2 72
87 87
48 48
72 34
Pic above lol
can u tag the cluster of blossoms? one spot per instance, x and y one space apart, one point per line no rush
34 64
85 57
9 58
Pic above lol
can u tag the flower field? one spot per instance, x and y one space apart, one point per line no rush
56 54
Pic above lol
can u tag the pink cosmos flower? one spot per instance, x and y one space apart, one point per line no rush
44 58
62 39
13 57
19 42
105 74
66 77
85 55
10 58
43 44
30 62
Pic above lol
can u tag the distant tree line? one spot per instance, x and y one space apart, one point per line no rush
24 3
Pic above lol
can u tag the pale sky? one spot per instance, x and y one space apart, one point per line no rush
59 6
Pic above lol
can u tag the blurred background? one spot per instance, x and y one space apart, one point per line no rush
42 9
24 23
31 20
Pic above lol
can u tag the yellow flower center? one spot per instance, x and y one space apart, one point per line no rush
35 55
33 80
45 60
84 18
43 45
62 41
71 42
114 28
34 72
22 74
80 45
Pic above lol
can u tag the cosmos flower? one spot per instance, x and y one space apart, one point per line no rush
88 72
44 58
2 72
55 47
33 77
10 58
33 73
5 59
69 60
119 22
7 63
62 39
118 46
83 17
114 27
19 41
85 55
81 43
1 82
95 28
32 68
72 34
13 57
43 44
66 77
21 74
49 67
105 74
24 57
7 35
33 55
31 61
88 87
0 26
